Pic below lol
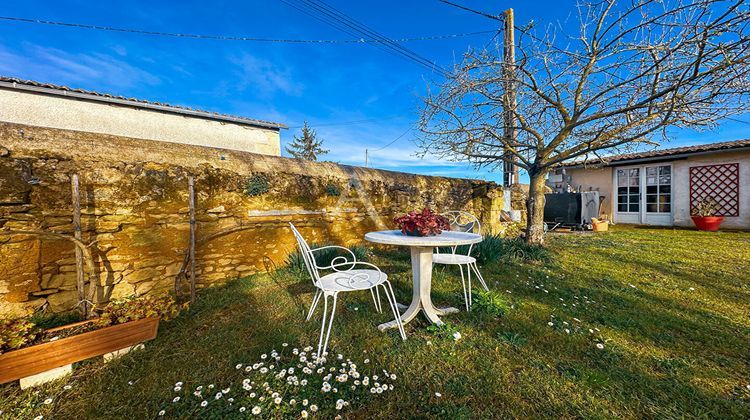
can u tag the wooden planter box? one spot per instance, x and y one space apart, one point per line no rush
40 358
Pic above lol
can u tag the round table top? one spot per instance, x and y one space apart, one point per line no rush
446 238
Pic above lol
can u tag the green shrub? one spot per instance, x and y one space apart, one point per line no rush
333 190
132 309
47 321
15 333
518 249
490 303
495 248
324 257
445 330
256 185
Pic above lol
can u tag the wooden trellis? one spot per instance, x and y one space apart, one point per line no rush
720 183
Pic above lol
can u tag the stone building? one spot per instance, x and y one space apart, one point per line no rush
52 106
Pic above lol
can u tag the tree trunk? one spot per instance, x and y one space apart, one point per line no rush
535 208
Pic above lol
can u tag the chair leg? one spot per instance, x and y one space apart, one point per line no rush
376 300
481 278
316 298
468 272
394 307
323 327
322 353
463 284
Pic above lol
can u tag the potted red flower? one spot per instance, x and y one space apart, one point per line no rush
424 223
704 215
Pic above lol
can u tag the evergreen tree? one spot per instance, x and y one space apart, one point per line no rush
307 146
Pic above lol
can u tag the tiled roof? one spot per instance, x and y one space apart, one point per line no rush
661 153
51 89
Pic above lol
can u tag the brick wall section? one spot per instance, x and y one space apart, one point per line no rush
134 204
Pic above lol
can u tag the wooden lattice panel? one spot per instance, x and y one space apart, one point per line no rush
720 183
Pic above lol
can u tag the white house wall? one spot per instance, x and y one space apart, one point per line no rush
95 117
681 185
600 179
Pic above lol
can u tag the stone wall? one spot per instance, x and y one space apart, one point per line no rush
134 205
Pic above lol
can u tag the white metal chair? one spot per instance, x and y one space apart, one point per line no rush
344 278
463 222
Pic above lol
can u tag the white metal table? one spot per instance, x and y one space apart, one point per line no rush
421 267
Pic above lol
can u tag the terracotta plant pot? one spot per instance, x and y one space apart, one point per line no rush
42 357
708 223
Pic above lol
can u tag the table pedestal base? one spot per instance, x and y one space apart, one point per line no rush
421 267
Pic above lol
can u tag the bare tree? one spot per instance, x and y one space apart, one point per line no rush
631 71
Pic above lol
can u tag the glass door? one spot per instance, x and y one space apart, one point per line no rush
658 195
628 181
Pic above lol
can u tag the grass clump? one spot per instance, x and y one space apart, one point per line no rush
494 248
490 303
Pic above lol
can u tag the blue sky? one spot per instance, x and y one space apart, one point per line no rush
334 87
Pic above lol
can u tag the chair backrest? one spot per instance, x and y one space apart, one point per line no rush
307 255
462 221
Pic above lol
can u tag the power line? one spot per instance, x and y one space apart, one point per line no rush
237 38
352 122
485 14
394 141
368 31
336 19
737 120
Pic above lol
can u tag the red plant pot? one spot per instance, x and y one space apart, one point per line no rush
708 223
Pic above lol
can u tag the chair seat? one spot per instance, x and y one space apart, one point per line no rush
455 259
343 281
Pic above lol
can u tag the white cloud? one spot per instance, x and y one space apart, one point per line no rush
264 77
62 67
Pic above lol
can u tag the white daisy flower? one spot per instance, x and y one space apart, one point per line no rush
48 401
437 394
176 399
242 409
256 410
204 403
162 412
313 408
456 336
599 346
303 414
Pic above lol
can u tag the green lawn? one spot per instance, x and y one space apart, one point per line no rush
669 309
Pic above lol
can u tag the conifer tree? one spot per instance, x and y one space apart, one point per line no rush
307 146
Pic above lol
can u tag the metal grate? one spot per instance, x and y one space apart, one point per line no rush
720 183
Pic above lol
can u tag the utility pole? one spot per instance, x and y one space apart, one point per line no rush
365 158
510 171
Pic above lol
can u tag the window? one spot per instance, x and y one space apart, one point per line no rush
628 190
658 189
